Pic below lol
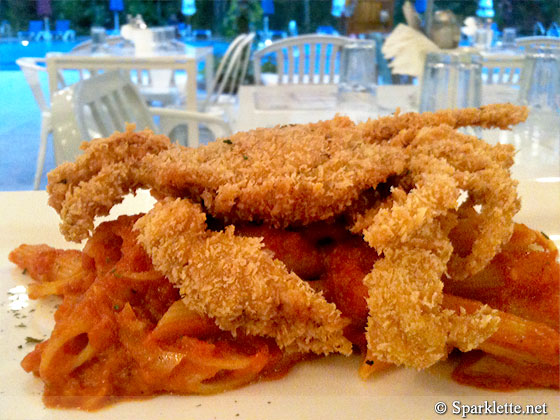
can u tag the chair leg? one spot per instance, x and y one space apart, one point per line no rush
45 130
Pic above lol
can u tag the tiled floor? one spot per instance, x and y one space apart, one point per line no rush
20 121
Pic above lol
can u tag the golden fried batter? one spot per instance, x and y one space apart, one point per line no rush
407 324
284 176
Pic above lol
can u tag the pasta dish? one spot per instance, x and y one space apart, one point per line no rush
393 238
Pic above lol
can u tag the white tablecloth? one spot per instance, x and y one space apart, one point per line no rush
267 106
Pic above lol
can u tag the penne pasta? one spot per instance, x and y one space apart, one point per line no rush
516 339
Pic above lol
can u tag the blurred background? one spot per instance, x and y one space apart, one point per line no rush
222 16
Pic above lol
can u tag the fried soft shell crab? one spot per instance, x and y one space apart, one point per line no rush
396 181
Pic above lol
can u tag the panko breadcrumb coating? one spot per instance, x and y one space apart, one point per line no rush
289 175
395 180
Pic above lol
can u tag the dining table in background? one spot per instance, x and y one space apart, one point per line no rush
169 79
270 105
184 60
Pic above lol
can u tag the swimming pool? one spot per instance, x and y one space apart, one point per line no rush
11 50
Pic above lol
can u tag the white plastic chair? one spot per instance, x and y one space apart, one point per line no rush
502 69
305 59
152 88
535 41
31 68
231 71
138 68
102 104
221 96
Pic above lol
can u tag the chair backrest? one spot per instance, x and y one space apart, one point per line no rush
232 68
95 107
62 25
535 41
553 30
305 59
35 26
502 69
538 29
31 68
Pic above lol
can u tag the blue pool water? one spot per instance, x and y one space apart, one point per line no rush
11 50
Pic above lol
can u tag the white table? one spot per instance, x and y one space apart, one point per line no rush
188 63
163 68
267 106
179 49
537 144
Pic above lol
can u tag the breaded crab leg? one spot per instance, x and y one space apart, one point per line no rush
108 170
442 164
407 324
235 281
501 116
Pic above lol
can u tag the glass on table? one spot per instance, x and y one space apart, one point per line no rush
540 91
508 38
98 41
451 80
98 35
540 79
483 38
357 88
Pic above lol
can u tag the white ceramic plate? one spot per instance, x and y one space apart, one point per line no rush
323 389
